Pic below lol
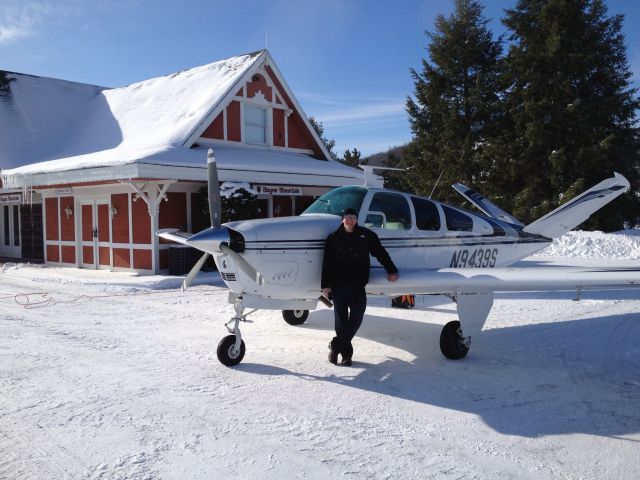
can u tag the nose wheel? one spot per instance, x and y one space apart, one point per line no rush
228 354
231 348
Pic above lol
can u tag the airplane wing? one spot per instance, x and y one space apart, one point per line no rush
484 280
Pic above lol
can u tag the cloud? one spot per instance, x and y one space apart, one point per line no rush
21 19
364 114
16 22
9 33
350 111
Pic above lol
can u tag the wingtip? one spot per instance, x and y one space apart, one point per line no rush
622 179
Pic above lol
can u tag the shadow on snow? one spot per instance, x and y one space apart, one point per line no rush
580 376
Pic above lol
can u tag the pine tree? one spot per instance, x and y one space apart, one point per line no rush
456 109
571 106
351 157
5 81
328 143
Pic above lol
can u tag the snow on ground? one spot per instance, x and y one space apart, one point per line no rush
115 376
595 245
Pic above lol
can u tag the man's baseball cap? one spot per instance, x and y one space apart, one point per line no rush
349 211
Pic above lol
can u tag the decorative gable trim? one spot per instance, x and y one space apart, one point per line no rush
238 86
281 98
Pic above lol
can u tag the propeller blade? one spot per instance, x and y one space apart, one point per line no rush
194 271
215 207
248 270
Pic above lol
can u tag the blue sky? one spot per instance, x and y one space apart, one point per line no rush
347 61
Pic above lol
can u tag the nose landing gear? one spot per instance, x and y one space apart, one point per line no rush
231 348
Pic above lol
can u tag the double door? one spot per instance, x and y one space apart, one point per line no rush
10 240
95 234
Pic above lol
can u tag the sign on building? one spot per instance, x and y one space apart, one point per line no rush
278 190
10 198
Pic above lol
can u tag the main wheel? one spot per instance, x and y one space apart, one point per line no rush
295 317
452 343
226 354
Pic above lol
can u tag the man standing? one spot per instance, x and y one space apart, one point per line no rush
345 272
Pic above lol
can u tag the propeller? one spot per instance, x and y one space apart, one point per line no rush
215 212
215 206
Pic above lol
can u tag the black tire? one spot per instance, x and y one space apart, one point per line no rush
295 317
451 342
225 351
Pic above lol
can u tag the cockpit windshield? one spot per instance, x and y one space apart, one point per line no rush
336 201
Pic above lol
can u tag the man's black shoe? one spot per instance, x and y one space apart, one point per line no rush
346 362
333 356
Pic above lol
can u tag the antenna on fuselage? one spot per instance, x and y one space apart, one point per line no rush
436 184
373 180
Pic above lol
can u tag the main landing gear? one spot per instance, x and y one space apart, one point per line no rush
473 310
453 344
231 348
295 317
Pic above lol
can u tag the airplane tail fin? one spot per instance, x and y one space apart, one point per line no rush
577 210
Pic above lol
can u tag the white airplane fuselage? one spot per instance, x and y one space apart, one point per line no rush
288 252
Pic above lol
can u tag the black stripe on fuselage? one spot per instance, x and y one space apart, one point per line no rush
412 245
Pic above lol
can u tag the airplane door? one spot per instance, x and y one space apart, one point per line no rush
95 235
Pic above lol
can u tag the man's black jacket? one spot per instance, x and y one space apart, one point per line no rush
346 258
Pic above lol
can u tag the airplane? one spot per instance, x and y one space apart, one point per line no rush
275 263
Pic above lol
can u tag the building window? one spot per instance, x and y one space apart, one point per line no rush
16 226
6 225
255 125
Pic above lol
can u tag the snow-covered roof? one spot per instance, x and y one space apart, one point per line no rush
108 126
235 163
60 132
42 117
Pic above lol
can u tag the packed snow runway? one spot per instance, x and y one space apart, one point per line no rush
113 376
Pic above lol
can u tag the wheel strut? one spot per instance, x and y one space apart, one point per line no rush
239 317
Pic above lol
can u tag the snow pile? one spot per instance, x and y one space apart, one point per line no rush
231 189
595 245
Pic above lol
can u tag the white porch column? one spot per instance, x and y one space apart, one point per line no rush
153 194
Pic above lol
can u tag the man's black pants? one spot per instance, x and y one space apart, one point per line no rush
349 305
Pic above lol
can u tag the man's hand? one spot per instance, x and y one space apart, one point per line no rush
326 292
392 277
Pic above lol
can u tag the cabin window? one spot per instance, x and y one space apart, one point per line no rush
497 229
390 211
456 220
427 215
255 125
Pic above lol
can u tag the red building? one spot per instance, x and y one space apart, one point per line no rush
90 173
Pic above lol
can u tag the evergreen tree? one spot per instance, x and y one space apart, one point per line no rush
5 81
236 204
571 106
455 112
351 157
328 143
